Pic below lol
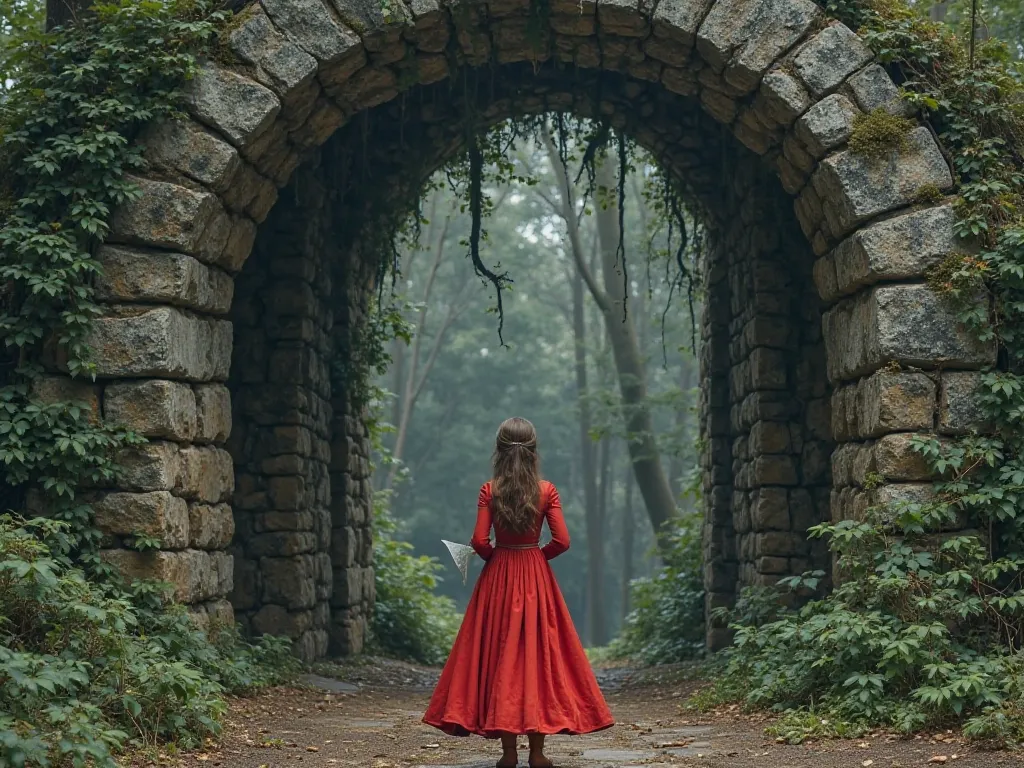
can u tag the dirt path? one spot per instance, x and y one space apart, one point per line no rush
368 716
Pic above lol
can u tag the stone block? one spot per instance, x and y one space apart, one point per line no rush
768 369
139 276
277 620
894 458
677 20
153 466
774 470
288 581
240 109
802 511
287 492
344 543
281 544
780 544
208 474
770 510
855 187
829 58
157 514
894 402
277 63
872 88
311 26
239 244
623 18
744 37
213 409
960 403
190 149
784 97
210 526
153 408
194 576
908 324
773 565
895 249
827 124
165 216
213 615
770 437
245 593
160 342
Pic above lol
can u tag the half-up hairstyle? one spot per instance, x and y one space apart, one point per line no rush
515 484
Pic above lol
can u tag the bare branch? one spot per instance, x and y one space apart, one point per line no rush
568 214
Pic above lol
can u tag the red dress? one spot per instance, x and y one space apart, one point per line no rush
517 665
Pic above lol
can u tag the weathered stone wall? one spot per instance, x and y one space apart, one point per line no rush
765 408
351 507
900 364
301 454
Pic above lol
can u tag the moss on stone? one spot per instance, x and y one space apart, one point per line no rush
928 194
878 133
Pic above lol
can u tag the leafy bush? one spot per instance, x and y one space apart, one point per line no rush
410 621
87 669
915 635
667 621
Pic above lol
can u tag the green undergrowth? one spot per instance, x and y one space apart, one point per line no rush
89 666
925 626
666 623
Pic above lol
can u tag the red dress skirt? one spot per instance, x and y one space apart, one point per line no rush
517 665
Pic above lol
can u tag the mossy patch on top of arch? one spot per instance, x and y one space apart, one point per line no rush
880 132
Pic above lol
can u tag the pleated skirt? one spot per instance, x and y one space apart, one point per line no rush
517 665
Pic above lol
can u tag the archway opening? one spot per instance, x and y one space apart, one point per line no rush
303 491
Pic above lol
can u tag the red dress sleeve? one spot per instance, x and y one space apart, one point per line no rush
556 525
481 540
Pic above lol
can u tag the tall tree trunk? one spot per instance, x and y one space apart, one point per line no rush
627 541
643 450
589 475
597 615
629 364
683 455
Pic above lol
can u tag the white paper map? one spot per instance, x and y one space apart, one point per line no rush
460 554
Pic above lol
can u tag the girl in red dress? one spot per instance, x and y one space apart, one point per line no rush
517 666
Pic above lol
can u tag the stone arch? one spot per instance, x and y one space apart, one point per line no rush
814 276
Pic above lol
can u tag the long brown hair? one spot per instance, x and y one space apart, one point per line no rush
515 484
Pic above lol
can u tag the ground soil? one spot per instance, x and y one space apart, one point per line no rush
366 714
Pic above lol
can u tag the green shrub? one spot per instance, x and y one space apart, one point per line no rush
915 635
87 669
667 621
410 620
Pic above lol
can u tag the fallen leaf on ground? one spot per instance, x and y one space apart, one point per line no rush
938 759
866 763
